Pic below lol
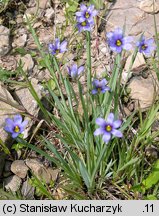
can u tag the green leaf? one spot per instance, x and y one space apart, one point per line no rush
150 197
84 174
153 177
131 162
52 84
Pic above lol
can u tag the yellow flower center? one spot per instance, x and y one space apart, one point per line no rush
57 51
16 129
87 15
144 47
84 23
118 43
108 128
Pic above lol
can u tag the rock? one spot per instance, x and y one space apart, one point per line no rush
49 14
8 108
45 35
139 61
7 169
12 183
20 41
27 191
19 168
138 65
42 75
143 91
33 12
19 19
4 40
150 6
32 3
43 4
129 13
27 100
54 173
27 62
8 62
39 170
7 166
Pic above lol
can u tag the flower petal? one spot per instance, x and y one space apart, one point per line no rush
117 133
94 91
63 46
118 31
83 7
103 82
79 13
57 43
95 83
17 119
8 128
98 131
80 69
109 35
117 123
106 137
100 122
127 46
24 124
9 121
103 90
74 74
14 135
110 118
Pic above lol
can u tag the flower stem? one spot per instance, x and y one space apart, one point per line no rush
88 44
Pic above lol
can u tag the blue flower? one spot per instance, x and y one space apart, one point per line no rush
85 17
74 71
86 13
15 126
118 42
146 46
100 86
57 47
85 25
108 128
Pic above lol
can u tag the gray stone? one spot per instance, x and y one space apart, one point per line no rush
136 20
19 168
144 91
4 40
43 4
27 63
39 170
12 183
138 63
27 190
25 97
150 6
20 41
49 14
8 108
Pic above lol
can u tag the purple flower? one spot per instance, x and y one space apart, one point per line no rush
86 13
74 71
118 42
85 25
146 46
100 86
15 126
108 128
57 47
